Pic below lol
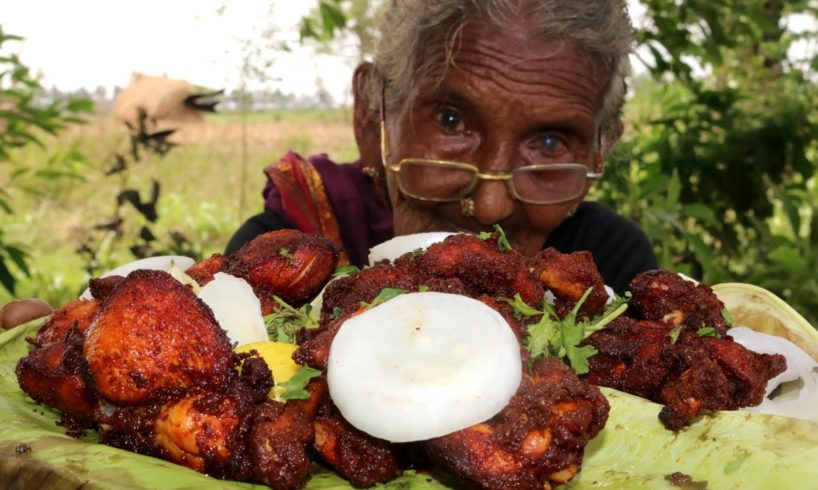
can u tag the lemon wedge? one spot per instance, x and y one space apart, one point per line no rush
278 357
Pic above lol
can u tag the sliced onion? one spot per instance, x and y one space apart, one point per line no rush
236 308
800 400
423 365
394 248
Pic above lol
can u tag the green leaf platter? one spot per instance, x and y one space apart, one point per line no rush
728 450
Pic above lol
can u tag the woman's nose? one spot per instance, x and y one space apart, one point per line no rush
492 200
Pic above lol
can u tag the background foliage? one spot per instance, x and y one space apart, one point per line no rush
718 162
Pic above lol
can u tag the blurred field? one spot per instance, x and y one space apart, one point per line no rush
210 183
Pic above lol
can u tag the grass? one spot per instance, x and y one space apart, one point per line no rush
210 183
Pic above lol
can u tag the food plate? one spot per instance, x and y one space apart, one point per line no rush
634 451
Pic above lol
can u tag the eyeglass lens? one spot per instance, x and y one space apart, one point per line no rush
435 181
549 184
451 182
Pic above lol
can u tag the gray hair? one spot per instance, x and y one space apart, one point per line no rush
601 27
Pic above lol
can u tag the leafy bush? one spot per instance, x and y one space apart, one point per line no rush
23 121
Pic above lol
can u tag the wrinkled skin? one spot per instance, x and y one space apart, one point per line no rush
503 103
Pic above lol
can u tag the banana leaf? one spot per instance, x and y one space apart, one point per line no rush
724 451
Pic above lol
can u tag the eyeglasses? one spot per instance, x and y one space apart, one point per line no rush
447 181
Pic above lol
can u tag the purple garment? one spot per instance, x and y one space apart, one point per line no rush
363 220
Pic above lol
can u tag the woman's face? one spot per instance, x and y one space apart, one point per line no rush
510 99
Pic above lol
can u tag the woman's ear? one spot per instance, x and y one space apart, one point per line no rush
365 120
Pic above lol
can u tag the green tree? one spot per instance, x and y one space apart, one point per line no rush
331 19
719 162
24 121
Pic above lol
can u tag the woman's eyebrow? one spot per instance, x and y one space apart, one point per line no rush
449 95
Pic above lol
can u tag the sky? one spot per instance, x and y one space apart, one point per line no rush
87 43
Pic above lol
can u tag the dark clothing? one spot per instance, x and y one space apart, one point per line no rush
339 201
621 250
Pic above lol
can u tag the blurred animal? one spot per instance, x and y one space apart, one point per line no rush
154 103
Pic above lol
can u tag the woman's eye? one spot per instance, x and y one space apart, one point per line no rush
451 119
550 144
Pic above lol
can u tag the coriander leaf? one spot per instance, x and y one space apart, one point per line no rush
543 338
522 307
285 321
336 313
674 334
708 332
295 386
417 252
484 235
385 295
572 316
606 317
552 336
423 288
502 241
578 357
345 270
728 319
286 254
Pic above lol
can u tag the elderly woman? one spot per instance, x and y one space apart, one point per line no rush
476 113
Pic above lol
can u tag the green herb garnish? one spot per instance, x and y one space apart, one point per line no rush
708 332
728 319
336 313
295 387
345 270
284 252
674 333
385 295
502 240
285 321
552 336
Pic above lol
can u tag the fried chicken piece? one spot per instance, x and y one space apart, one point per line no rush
568 276
101 287
153 336
690 374
205 431
53 375
232 430
360 458
203 271
77 314
280 438
632 356
345 294
285 263
536 441
481 266
664 296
